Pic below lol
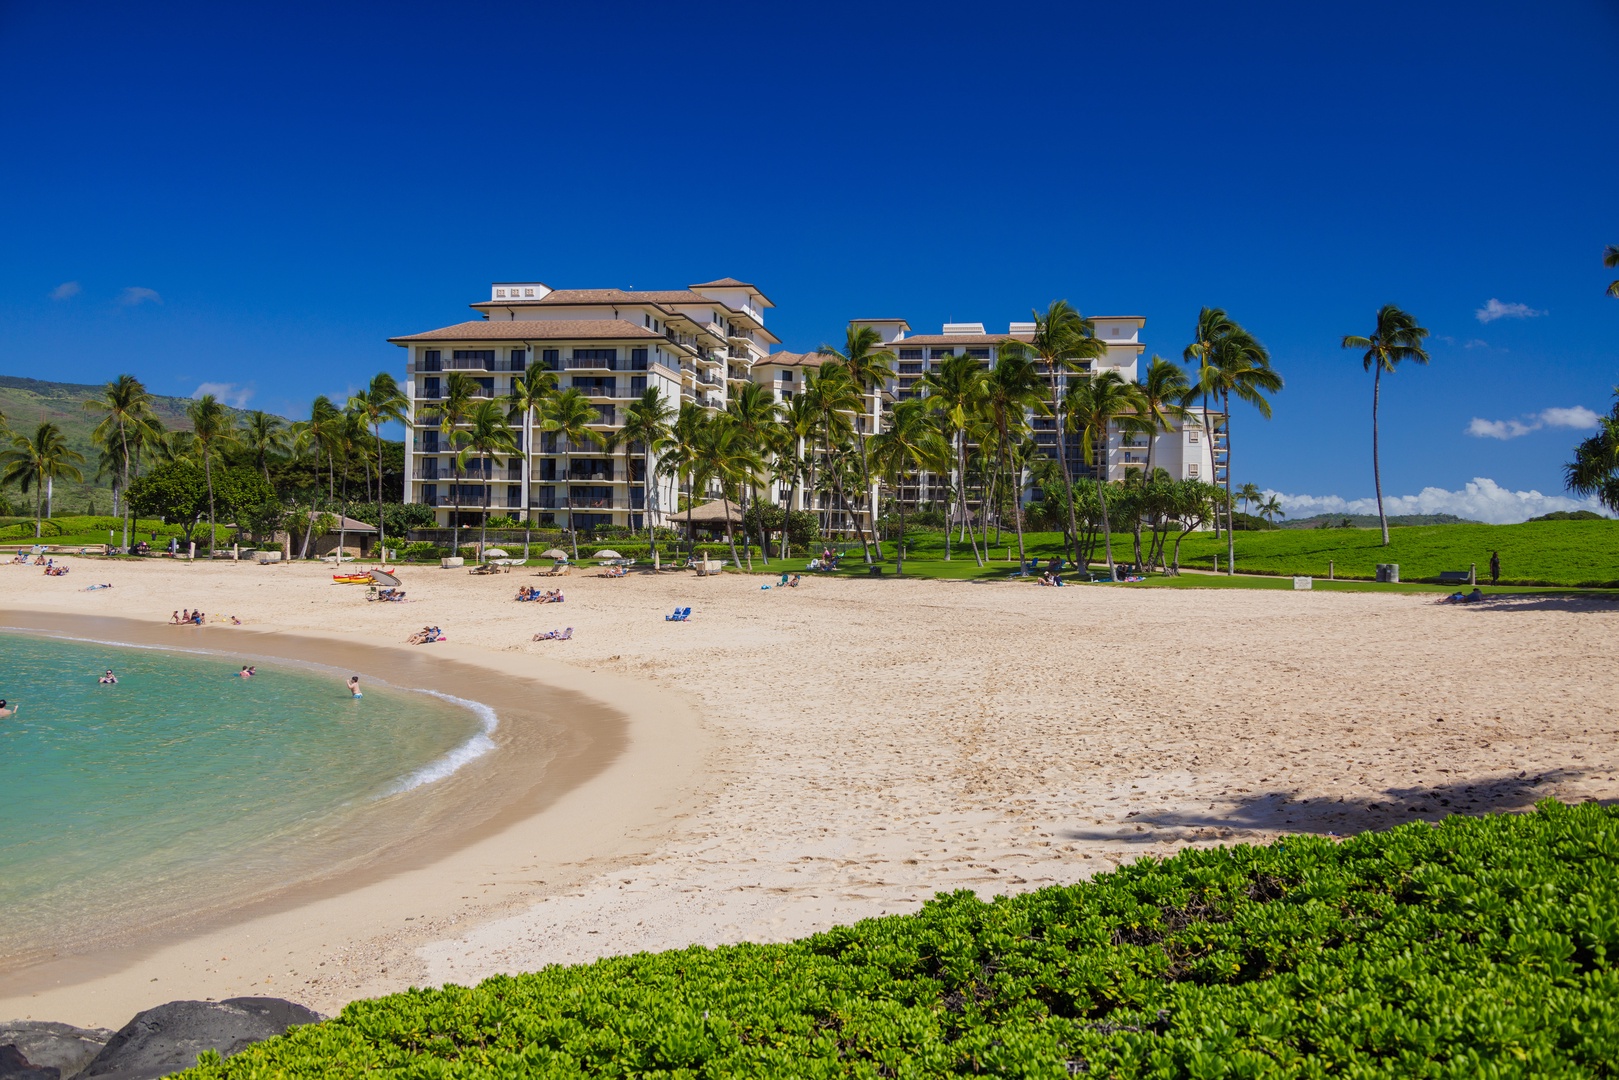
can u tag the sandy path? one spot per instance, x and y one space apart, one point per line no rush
872 742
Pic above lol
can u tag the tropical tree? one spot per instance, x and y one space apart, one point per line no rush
1063 340
1271 509
794 454
1095 406
126 423
647 425
569 414
450 412
909 443
680 452
834 399
381 403
1397 337
724 456
1165 392
752 411
869 367
957 390
1011 392
1231 361
34 462
264 436
1250 495
316 436
1595 468
1610 259
487 436
212 429
527 397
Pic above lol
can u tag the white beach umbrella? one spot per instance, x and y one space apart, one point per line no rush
554 553
500 552
607 553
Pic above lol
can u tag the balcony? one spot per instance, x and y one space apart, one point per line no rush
708 379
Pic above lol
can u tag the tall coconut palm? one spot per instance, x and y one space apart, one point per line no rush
1271 508
795 453
126 422
487 436
679 458
34 462
1011 392
569 414
957 389
1231 361
1165 391
264 436
647 425
1063 341
1094 407
1595 468
835 399
909 443
449 413
381 403
528 396
724 456
752 411
1397 337
1249 495
1610 259
212 429
869 366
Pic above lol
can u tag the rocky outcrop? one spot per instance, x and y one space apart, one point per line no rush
168 1038
45 1045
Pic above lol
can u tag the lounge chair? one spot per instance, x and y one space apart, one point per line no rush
680 615
783 580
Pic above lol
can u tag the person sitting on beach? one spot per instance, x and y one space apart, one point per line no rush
196 617
555 635
109 679
234 621
793 584
7 710
354 686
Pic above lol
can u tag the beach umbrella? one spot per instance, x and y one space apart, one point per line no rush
607 553
554 553
382 577
500 552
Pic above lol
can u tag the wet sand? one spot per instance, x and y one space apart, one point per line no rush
799 758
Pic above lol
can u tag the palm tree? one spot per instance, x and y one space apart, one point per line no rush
1165 391
127 418
1595 468
724 455
647 424
1231 361
316 435
487 435
679 458
1011 392
264 436
957 389
753 412
1610 259
1095 406
527 397
569 415
1396 338
1271 509
1064 339
1249 495
451 411
381 403
795 454
212 429
834 398
36 462
911 442
869 367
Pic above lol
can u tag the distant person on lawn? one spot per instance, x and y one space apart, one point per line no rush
1495 567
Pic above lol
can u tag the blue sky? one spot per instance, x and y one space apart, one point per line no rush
259 196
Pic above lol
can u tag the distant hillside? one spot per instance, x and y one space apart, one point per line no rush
1369 521
28 402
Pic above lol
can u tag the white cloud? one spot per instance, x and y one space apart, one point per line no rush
136 294
232 394
1577 417
66 290
1495 309
1481 500
1476 343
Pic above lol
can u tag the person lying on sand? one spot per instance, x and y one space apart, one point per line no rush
553 597
7 710
555 635
426 635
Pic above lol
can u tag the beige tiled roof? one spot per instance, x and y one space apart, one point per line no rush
791 359
957 339
535 330
723 283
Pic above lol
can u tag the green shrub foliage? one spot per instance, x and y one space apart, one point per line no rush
1480 947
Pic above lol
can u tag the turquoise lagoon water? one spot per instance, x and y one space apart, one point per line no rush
184 786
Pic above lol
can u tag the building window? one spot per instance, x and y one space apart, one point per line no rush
430 494
470 359
528 292
786 395
551 359
910 354
519 359
430 360
608 356
637 359
786 376
940 354
430 389
500 292
1191 471
1191 435
978 354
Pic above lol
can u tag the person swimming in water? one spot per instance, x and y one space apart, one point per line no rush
246 672
7 710
109 679
354 686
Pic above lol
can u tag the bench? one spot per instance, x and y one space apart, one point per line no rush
1456 577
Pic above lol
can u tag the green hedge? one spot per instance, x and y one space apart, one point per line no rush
1481 947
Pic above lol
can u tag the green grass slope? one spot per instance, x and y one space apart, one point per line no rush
1480 947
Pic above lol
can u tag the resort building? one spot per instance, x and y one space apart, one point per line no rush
610 344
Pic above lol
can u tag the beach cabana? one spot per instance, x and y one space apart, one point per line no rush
357 537
710 516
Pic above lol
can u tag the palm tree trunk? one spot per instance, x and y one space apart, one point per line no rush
208 474
961 460
1101 498
1230 535
1377 472
691 504
382 528
123 439
1062 459
309 526
567 486
730 533
528 513
899 544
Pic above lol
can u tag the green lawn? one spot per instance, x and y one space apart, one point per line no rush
1567 554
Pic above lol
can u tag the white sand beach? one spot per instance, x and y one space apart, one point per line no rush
794 759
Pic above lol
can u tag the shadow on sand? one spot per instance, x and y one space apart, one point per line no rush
1257 815
1571 602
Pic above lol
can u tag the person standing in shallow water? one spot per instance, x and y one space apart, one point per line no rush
7 710
354 686
1495 567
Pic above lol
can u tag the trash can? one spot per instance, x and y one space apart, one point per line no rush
1388 572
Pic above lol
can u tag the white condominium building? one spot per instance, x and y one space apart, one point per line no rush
610 344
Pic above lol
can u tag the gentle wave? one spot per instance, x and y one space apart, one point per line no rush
471 750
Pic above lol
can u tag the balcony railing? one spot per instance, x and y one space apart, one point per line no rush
617 364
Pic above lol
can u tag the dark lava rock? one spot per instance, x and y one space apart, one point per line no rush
13 1066
168 1038
46 1044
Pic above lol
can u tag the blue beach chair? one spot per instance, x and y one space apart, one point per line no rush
680 615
